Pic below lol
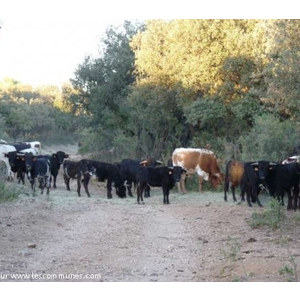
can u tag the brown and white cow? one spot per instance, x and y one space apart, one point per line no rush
200 161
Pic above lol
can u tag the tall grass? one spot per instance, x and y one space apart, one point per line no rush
8 192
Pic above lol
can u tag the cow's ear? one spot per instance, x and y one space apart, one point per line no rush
256 169
34 158
66 156
54 155
170 172
23 158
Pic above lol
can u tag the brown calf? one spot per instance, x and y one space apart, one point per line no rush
233 176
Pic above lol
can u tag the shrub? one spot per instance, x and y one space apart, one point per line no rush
270 139
270 217
8 192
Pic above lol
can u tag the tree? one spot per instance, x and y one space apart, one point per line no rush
282 72
102 84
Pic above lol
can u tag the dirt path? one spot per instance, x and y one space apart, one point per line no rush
200 238
94 239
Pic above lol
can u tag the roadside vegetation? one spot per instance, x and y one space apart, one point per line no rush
156 86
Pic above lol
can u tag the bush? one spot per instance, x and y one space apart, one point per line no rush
270 217
270 139
8 192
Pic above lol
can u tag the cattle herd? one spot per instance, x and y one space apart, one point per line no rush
251 177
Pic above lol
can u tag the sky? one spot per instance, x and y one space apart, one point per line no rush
42 42
43 45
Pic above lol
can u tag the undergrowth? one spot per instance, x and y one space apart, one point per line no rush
271 217
8 192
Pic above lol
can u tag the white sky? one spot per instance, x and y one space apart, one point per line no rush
44 44
43 41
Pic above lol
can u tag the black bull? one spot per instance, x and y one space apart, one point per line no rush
162 176
275 178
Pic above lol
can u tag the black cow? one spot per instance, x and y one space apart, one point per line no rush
40 169
129 168
255 178
70 169
285 178
17 164
104 172
56 160
163 176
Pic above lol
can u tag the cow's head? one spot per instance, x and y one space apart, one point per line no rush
262 168
216 179
176 172
11 157
29 159
121 191
60 156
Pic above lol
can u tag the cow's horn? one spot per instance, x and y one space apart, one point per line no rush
294 157
143 162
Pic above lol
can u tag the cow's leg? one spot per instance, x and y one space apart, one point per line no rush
41 185
248 195
67 182
166 195
54 181
48 184
139 192
23 177
226 188
129 187
181 184
147 191
108 188
290 201
85 183
79 183
296 195
255 198
233 192
200 184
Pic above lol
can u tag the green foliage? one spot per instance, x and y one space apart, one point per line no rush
272 216
27 114
154 122
232 84
290 272
269 139
282 71
8 192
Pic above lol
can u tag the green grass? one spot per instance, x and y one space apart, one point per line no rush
272 216
9 192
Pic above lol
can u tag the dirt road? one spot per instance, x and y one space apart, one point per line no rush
197 238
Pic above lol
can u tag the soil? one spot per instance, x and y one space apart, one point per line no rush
197 238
